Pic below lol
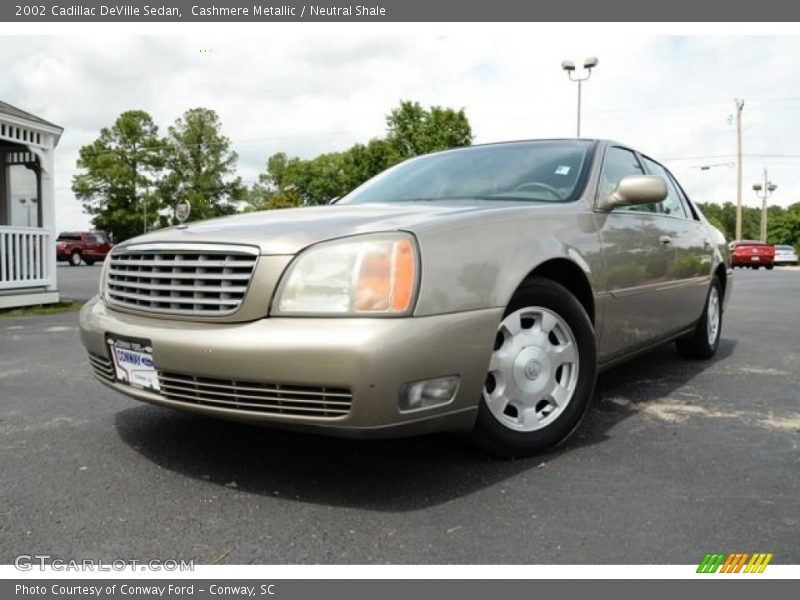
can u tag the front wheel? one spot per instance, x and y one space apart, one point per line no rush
704 340
75 259
541 374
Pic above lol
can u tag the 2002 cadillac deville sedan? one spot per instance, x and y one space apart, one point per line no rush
478 289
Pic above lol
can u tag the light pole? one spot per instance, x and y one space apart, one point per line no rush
766 191
569 67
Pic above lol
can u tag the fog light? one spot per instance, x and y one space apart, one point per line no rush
428 394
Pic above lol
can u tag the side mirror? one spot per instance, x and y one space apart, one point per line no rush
637 189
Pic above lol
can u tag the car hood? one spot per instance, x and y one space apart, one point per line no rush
287 231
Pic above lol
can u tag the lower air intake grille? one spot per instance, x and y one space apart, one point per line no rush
102 367
268 398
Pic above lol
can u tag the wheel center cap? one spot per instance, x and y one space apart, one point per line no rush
533 369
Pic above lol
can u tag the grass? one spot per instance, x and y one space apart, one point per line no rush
40 309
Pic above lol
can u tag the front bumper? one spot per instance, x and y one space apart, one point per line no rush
372 357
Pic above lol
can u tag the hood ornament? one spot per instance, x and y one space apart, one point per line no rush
182 211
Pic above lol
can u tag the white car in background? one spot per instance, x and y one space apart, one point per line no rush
785 255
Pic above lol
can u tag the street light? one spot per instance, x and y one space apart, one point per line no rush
569 66
711 166
765 192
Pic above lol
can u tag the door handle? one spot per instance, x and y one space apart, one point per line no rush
665 239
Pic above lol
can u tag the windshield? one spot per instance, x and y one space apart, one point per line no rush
547 171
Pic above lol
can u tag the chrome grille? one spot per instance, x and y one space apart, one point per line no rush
180 279
102 367
269 398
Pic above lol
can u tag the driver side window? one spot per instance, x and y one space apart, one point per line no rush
620 163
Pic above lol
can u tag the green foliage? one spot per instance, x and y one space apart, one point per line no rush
116 172
414 130
783 224
411 130
201 167
130 175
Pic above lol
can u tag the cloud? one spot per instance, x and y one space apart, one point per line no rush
302 92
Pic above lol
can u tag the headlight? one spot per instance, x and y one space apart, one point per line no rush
103 275
372 274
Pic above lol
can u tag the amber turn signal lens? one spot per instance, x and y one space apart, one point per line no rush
386 278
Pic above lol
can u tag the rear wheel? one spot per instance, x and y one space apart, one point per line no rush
704 340
541 374
75 259
88 262
769 267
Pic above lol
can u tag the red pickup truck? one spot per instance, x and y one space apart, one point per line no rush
86 246
753 254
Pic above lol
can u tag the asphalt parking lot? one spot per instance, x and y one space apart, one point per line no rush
676 459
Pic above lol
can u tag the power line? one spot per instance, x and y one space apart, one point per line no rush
716 156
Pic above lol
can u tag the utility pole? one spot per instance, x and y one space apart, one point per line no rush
739 107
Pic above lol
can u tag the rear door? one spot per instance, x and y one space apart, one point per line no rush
694 254
639 259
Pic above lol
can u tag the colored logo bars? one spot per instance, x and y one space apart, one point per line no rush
734 562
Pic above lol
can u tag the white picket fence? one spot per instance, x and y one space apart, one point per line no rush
24 253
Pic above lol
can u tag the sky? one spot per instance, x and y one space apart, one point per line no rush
305 91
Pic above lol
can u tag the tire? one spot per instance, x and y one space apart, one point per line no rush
75 259
88 262
769 267
529 403
700 344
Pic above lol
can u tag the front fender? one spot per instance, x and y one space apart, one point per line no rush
481 265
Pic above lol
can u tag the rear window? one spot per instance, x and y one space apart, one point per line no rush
69 237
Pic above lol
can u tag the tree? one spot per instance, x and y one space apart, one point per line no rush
117 172
201 166
783 224
362 162
274 188
412 130
321 179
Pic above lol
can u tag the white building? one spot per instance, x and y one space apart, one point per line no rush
27 208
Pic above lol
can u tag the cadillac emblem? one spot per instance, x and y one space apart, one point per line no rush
182 211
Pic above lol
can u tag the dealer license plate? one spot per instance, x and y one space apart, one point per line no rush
133 362
755 258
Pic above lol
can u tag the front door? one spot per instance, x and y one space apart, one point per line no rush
639 256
